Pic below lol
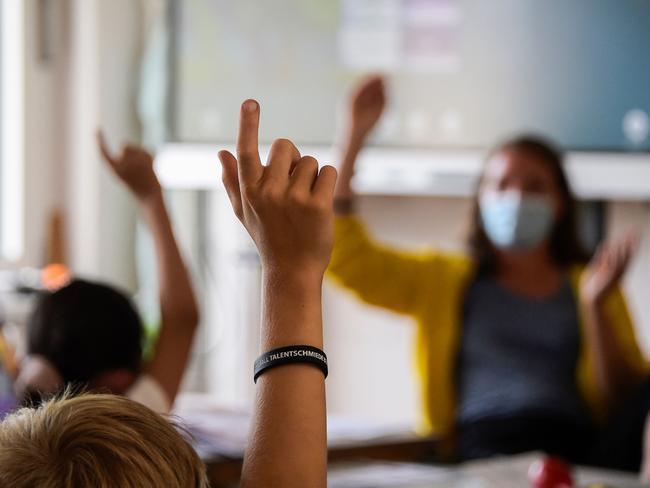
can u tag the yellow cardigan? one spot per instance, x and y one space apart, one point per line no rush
430 287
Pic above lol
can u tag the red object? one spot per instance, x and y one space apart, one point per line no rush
550 472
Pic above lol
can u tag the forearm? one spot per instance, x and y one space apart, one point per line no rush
292 395
349 149
178 308
177 301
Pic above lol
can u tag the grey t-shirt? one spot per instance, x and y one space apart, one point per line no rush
518 355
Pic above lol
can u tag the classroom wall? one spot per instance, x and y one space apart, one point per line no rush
105 43
85 77
42 146
370 350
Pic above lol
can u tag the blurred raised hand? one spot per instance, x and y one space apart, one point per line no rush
133 166
179 312
607 267
365 106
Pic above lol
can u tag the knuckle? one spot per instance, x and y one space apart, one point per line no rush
282 143
283 146
309 162
296 198
245 153
317 206
270 193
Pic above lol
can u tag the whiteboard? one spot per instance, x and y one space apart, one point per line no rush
461 73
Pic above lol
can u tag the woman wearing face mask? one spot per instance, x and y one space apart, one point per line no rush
522 344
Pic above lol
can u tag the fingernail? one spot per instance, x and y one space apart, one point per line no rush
250 106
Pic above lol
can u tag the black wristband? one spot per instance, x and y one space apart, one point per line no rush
290 355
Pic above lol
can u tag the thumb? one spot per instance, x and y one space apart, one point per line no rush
230 178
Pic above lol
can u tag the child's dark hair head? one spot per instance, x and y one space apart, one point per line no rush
86 329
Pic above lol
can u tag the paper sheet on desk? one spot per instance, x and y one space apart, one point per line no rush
215 433
398 475
221 432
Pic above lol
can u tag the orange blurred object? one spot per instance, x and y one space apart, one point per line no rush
55 276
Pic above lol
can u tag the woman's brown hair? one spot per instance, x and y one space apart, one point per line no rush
564 242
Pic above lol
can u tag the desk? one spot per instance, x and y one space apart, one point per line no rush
506 472
355 446
224 471
219 436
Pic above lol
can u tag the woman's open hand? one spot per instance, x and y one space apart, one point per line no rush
606 268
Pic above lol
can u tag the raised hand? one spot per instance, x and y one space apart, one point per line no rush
286 206
134 166
366 104
179 314
607 268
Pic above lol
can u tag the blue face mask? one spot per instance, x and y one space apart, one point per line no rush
516 221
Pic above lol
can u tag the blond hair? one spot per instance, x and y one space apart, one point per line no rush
95 441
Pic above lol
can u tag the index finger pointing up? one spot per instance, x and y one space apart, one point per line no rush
249 164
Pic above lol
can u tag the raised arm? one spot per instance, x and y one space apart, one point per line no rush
378 274
286 206
178 308
614 353
364 108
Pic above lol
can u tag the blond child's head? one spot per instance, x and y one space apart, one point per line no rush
95 440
